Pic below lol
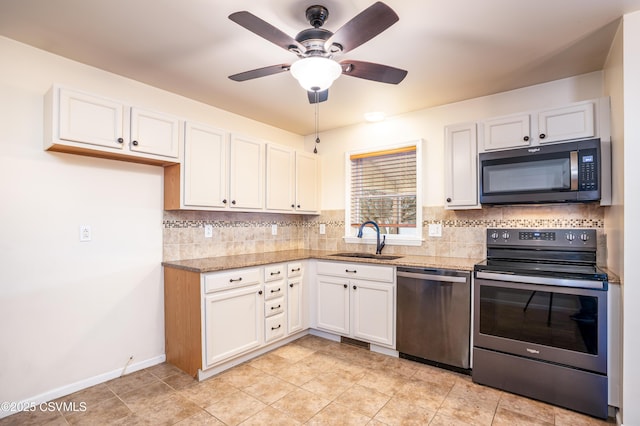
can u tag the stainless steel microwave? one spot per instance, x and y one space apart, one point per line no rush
563 172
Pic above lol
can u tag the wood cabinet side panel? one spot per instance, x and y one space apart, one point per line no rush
172 187
182 317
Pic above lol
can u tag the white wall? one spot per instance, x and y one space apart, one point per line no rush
631 281
428 125
71 311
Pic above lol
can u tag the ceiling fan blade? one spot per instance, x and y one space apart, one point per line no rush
322 96
260 72
265 30
363 27
371 71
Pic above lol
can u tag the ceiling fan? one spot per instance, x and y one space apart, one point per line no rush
316 47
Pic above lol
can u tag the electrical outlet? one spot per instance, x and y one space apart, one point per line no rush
85 233
274 229
208 231
323 229
435 230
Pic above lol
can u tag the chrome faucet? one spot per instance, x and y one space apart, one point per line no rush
379 245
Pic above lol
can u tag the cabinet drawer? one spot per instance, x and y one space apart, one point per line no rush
274 328
274 307
356 270
216 281
275 272
294 269
273 290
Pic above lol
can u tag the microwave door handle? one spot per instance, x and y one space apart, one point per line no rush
573 158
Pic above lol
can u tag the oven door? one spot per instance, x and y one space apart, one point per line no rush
554 323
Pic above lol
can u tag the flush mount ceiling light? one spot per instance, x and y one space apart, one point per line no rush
316 73
374 116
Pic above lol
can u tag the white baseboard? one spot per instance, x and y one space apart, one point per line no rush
83 384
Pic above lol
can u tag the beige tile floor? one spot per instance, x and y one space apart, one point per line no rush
311 381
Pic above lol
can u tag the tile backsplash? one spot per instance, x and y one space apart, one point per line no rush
463 231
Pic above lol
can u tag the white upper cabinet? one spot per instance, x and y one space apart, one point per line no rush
205 166
579 120
461 167
154 133
292 180
307 183
280 194
82 123
91 120
246 173
507 132
572 122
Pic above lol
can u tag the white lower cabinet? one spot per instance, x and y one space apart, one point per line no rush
363 309
233 322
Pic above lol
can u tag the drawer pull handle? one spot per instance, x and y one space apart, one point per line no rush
275 307
354 271
275 328
275 273
276 290
295 270
231 280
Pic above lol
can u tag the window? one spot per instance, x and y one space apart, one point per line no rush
383 186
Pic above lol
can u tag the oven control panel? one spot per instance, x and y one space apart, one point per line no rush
585 238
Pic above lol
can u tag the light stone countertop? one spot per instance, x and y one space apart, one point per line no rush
212 264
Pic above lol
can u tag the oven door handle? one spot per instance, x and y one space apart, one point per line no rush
560 282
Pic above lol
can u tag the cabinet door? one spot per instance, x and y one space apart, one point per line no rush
294 304
233 323
373 311
90 119
507 132
205 166
246 173
280 178
572 122
461 167
332 300
306 182
154 133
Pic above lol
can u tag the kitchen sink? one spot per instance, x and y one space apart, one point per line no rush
367 256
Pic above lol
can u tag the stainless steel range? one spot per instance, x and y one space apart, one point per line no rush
540 317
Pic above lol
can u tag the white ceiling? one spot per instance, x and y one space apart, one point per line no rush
453 50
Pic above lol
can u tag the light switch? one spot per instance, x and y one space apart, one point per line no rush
323 229
208 231
435 230
85 233
274 229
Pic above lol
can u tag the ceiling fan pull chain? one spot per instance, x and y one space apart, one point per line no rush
317 121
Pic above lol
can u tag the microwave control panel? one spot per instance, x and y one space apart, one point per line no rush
588 170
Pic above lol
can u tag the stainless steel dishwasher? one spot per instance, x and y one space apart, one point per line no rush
434 316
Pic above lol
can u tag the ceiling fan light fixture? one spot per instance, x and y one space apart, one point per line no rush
316 73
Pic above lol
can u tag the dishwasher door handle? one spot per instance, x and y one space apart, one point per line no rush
430 277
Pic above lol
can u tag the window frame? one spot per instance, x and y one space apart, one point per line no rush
370 237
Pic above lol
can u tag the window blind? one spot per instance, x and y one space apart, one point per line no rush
383 189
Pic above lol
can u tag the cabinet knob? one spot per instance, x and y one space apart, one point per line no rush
542 136
135 143
298 206
293 206
233 202
345 286
448 199
355 287
260 292
224 201
526 138
120 140
291 285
